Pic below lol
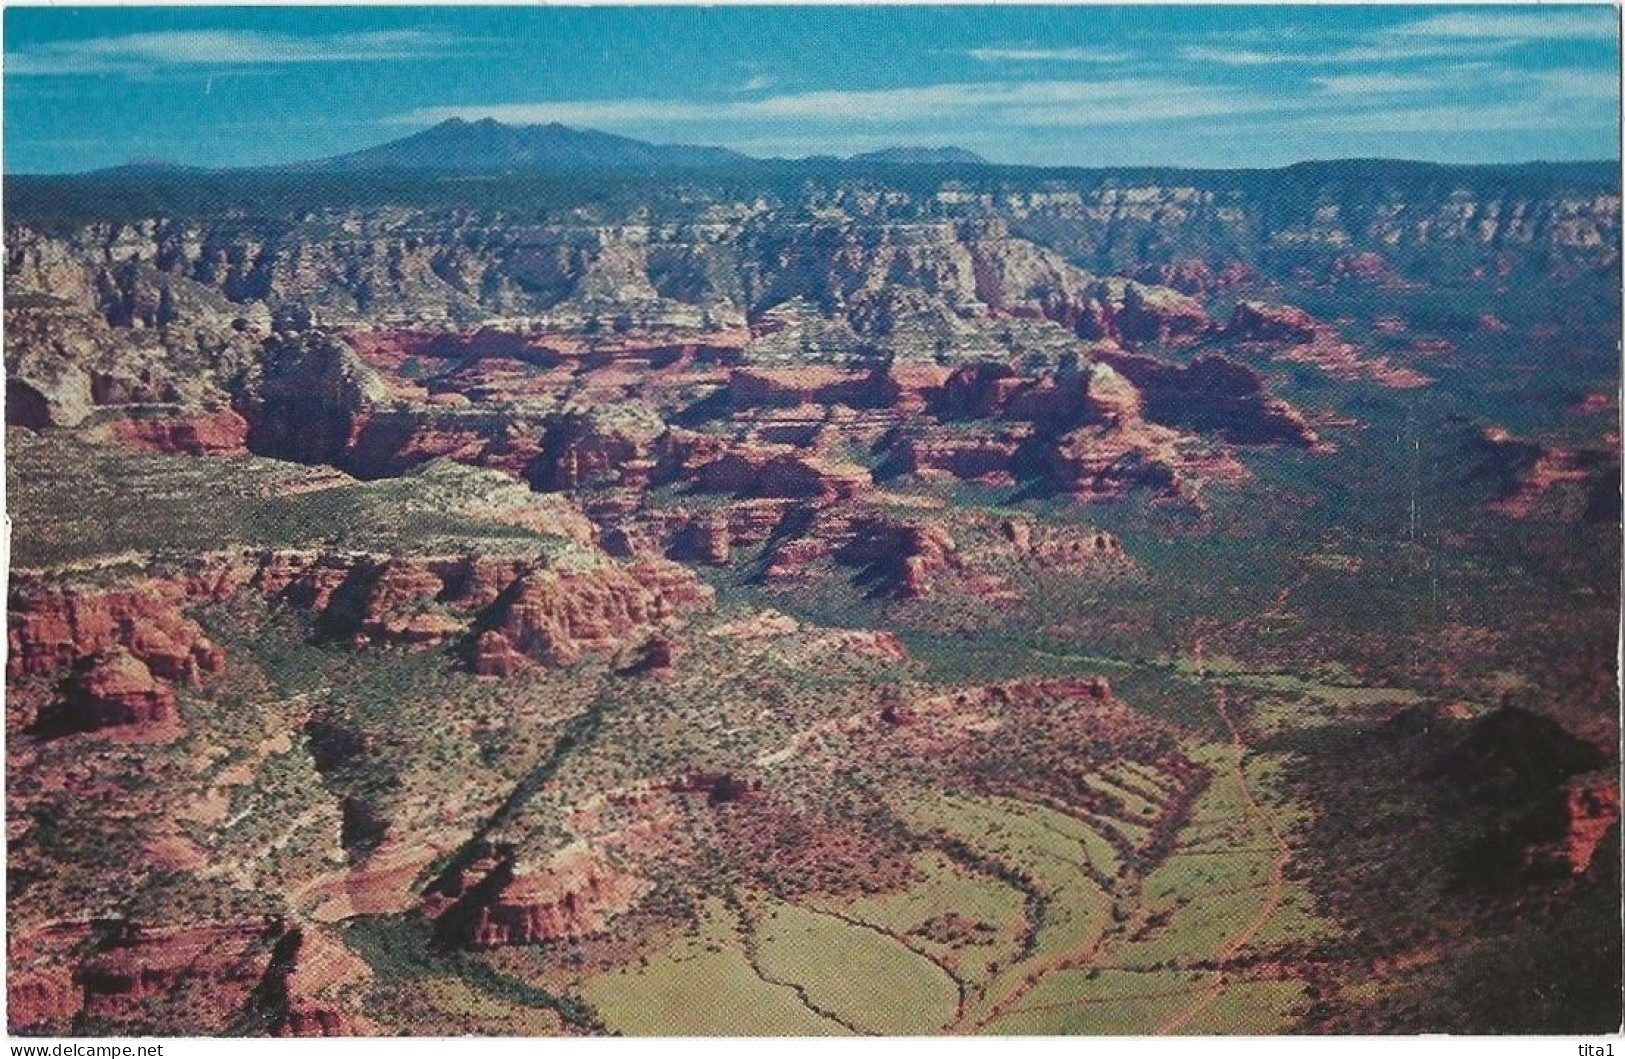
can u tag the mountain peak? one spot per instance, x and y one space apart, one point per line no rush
922 156
463 145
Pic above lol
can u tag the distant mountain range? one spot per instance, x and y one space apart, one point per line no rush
922 156
520 152
488 145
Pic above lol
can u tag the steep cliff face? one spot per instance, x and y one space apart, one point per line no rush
308 397
65 360
554 617
919 288
98 657
118 653
115 971
1213 394
968 240
497 899
1319 213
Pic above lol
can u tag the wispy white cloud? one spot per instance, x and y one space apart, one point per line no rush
1497 100
137 52
1462 80
1383 50
1053 55
1447 36
756 83
1575 84
1522 115
1232 56
1502 24
1055 103
1375 84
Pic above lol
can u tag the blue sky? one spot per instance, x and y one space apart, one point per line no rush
1217 86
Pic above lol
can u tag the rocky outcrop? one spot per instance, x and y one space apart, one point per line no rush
1213 394
411 603
554 617
990 458
494 656
1589 811
115 656
1528 476
64 361
204 433
760 387
1367 266
1195 276
311 988
898 558
118 652
1547 808
718 787
204 974
1158 315
114 689
495 898
1060 548
52 628
1516 749
510 612
1288 333
703 540
308 397
776 471
1260 322
598 446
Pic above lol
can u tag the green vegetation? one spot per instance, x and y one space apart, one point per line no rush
123 504
868 979
703 985
412 969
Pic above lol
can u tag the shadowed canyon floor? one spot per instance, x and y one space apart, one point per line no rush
890 601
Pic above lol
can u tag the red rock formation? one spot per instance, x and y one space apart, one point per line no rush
392 442
1367 266
1158 315
1308 341
1104 463
39 996
1590 810
718 787
990 459
196 434
41 985
497 900
218 963
658 657
1259 322
1211 394
706 540
899 558
819 384
115 689
1060 547
555 617
494 656
1553 467
1195 276
315 983
776 471
125 648
595 446
530 612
